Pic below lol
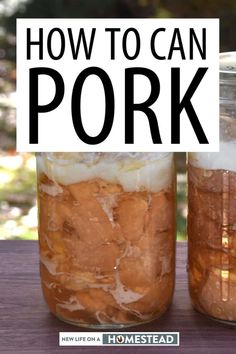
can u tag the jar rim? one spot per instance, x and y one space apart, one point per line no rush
228 63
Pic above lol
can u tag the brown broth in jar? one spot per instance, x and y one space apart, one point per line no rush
212 241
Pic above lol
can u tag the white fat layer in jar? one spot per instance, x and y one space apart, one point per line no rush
225 159
133 171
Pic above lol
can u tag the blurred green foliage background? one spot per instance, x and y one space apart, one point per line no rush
18 212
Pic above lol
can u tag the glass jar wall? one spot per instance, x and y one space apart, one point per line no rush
107 236
212 211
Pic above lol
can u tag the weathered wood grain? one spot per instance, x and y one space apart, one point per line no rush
27 327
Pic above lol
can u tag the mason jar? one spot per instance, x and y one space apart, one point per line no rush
212 211
107 236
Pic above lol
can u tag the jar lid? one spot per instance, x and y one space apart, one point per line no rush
228 63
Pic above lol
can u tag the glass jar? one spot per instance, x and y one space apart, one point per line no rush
212 211
107 236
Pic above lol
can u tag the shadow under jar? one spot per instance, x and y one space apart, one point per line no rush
107 236
212 211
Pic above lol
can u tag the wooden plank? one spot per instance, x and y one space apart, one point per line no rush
26 326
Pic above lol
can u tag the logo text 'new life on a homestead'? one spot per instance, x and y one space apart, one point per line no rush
117 85
119 339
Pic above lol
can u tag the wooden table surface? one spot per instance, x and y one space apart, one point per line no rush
26 326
